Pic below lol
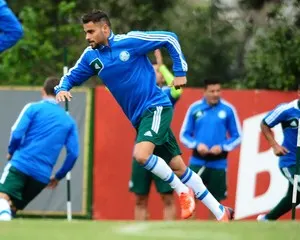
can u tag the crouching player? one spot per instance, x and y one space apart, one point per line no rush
37 137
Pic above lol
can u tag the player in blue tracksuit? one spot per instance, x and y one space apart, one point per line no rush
11 30
41 131
121 62
287 115
212 129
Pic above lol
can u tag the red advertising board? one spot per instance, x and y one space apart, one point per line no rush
255 184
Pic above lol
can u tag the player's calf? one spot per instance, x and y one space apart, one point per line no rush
141 207
169 206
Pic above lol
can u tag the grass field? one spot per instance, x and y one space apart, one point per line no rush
21 229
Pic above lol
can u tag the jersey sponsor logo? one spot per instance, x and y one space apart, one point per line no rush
97 65
124 56
222 114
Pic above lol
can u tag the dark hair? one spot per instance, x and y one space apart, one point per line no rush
95 16
49 85
211 81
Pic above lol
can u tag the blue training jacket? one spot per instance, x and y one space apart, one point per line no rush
286 114
11 29
37 138
126 70
210 125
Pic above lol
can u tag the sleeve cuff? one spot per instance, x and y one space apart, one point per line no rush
264 122
58 176
180 74
57 89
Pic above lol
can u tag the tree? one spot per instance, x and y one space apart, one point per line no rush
273 62
50 26
208 41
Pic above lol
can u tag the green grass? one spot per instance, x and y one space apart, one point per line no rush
24 229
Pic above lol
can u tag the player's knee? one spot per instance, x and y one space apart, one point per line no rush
142 151
168 199
5 196
140 156
141 201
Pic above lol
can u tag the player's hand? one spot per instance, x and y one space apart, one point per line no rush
202 149
215 150
63 95
279 150
8 157
179 82
53 183
158 57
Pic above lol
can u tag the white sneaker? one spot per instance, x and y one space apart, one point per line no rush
262 218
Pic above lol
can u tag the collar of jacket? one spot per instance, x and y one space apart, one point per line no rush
50 99
208 105
110 41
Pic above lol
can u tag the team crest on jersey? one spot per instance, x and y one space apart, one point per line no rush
97 65
124 56
222 114
198 114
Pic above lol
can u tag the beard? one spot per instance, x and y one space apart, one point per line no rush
94 45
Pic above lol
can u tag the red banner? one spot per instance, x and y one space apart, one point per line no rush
255 184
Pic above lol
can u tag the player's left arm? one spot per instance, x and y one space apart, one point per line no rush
72 146
234 129
187 130
18 130
146 42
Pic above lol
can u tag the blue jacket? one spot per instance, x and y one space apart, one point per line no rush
11 29
286 114
126 70
37 138
210 125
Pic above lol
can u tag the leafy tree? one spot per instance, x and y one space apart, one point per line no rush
48 28
208 41
274 61
51 26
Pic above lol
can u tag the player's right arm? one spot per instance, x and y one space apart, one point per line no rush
75 77
18 130
10 28
187 130
271 120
